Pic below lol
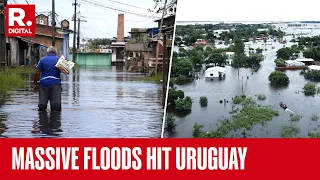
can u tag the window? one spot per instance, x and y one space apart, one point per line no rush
41 21
211 74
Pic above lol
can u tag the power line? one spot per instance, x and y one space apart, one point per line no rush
128 5
98 4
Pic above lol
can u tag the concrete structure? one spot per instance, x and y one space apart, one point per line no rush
93 58
230 56
215 72
294 63
29 50
119 46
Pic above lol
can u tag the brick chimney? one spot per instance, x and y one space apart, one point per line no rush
120 33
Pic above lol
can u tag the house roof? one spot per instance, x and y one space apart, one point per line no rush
314 67
216 68
165 18
29 41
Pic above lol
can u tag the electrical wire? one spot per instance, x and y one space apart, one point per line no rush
128 5
101 5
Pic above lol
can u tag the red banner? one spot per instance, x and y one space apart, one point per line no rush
159 158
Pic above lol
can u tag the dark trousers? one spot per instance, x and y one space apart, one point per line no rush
52 93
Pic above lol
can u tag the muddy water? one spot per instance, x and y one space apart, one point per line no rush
96 102
250 85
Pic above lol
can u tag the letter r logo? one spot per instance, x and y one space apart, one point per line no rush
20 20
14 18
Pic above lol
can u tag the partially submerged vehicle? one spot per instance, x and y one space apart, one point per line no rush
284 106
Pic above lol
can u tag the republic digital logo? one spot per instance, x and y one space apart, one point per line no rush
20 20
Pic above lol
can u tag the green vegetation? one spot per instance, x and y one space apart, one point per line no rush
241 60
183 105
314 134
239 99
259 50
154 78
309 89
12 79
203 101
290 131
278 78
197 130
244 119
170 123
312 43
294 117
181 79
313 75
280 62
289 52
181 67
262 97
217 59
314 117
174 95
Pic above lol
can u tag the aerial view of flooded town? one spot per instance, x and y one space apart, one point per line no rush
244 79
117 86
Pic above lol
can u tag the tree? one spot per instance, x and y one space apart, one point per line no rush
278 78
217 59
309 89
254 60
174 95
181 66
280 62
284 53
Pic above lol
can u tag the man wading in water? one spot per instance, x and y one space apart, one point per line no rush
50 83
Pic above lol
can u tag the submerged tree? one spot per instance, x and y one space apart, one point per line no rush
278 78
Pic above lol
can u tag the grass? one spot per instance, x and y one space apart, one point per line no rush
314 134
294 117
11 79
243 119
154 78
239 99
314 117
290 131
262 97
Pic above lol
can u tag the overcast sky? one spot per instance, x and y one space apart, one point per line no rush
248 10
101 22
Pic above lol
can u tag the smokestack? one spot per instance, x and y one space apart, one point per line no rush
120 33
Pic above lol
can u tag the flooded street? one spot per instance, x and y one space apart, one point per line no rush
96 102
250 85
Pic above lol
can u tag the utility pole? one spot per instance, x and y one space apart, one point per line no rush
159 35
78 37
53 23
74 31
3 49
164 69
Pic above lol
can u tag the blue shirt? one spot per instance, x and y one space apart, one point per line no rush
50 74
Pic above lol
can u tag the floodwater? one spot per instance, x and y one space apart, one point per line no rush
250 85
96 102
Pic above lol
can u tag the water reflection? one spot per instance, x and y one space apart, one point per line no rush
48 125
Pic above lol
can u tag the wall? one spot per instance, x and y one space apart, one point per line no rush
93 59
14 52
47 41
